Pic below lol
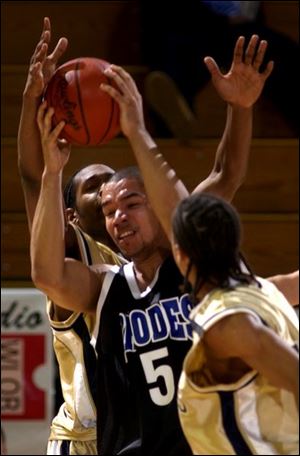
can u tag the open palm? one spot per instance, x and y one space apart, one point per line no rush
243 84
42 66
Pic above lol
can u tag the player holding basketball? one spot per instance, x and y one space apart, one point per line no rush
232 371
144 335
73 430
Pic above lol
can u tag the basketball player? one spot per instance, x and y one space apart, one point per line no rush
142 331
238 392
73 430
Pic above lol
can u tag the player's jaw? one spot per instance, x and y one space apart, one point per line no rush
128 239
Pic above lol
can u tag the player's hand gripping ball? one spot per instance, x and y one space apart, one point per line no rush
91 115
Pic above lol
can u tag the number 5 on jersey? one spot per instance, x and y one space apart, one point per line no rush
152 374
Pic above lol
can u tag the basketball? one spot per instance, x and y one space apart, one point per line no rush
91 115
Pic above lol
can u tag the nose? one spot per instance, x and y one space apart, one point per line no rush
120 216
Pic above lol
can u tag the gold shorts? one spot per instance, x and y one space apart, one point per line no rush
58 447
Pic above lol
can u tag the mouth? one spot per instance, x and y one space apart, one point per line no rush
125 235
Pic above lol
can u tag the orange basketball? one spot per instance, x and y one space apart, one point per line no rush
91 115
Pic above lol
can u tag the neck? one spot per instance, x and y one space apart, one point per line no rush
205 289
145 269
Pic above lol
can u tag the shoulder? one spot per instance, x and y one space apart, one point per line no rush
224 310
231 336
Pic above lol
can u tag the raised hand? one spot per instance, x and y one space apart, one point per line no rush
42 66
56 151
243 84
128 98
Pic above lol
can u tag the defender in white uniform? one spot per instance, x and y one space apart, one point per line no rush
73 430
238 390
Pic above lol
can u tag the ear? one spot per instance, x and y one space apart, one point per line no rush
71 215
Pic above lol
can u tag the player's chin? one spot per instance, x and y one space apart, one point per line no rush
127 249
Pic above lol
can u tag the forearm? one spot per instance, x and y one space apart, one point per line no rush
163 187
276 360
244 336
232 155
234 149
69 283
47 246
30 156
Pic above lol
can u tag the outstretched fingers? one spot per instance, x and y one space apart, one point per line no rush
212 67
42 54
60 48
258 60
44 39
268 70
260 53
238 50
251 49
46 28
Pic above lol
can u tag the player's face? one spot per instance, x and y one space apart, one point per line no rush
88 208
129 218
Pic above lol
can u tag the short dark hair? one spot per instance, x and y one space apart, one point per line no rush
208 230
69 192
127 173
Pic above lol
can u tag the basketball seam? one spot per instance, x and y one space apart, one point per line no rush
80 103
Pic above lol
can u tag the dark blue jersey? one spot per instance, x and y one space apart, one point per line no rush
142 340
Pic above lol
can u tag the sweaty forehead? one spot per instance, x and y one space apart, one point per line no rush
92 170
121 189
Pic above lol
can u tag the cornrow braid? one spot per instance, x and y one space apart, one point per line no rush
208 230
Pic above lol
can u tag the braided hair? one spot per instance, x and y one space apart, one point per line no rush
208 230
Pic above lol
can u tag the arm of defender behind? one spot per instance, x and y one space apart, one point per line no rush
30 157
259 347
240 88
288 284
163 187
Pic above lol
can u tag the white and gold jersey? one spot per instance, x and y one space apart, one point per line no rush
76 419
250 416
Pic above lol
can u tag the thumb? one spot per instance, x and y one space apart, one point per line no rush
212 67
59 50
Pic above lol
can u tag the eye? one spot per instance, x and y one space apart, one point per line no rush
91 187
109 213
136 203
93 184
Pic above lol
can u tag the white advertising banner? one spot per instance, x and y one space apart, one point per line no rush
27 372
